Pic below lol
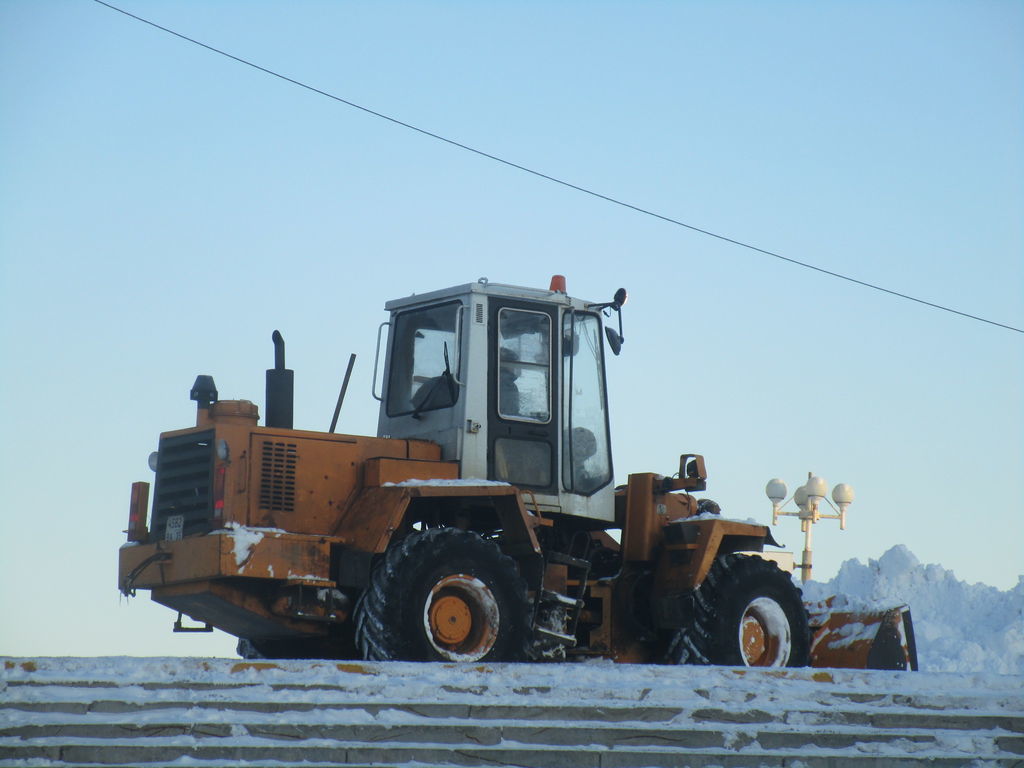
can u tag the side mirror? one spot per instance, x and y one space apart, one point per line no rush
614 340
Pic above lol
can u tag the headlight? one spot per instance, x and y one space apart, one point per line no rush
154 457
222 450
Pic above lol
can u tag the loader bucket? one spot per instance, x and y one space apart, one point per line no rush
861 639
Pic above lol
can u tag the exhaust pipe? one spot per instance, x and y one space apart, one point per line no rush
280 389
204 393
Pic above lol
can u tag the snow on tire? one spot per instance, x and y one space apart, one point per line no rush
444 594
747 612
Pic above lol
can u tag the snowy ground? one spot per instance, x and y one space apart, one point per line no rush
965 707
168 712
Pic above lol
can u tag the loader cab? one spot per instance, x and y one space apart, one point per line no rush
510 382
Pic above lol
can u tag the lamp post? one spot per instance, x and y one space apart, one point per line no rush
808 498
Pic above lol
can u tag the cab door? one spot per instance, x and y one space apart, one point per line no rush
523 394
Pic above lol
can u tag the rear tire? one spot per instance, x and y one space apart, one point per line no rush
747 612
444 594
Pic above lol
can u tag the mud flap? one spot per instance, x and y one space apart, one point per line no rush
862 639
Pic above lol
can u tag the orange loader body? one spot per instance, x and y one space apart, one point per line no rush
306 543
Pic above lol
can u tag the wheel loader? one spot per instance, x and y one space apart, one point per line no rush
481 523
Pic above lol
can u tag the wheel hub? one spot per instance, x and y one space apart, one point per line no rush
755 642
764 634
461 618
450 619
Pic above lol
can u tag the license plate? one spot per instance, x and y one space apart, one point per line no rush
175 525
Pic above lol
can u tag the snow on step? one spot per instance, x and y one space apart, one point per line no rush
131 711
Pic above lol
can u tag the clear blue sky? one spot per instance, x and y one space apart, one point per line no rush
164 209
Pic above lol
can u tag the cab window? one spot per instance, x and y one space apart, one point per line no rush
424 360
524 365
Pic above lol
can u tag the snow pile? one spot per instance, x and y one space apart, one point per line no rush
959 627
246 538
717 516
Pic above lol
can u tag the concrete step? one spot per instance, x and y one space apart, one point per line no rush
64 712
38 719
310 756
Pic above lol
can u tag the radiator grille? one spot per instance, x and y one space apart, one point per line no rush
277 476
184 479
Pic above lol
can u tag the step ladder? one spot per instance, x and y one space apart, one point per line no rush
572 604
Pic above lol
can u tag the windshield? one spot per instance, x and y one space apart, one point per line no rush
586 456
422 340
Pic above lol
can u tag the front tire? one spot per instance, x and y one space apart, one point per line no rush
747 612
444 594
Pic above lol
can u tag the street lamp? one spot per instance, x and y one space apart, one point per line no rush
808 498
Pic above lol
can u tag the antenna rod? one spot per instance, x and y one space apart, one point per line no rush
344 388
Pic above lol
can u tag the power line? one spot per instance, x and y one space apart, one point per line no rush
556 180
